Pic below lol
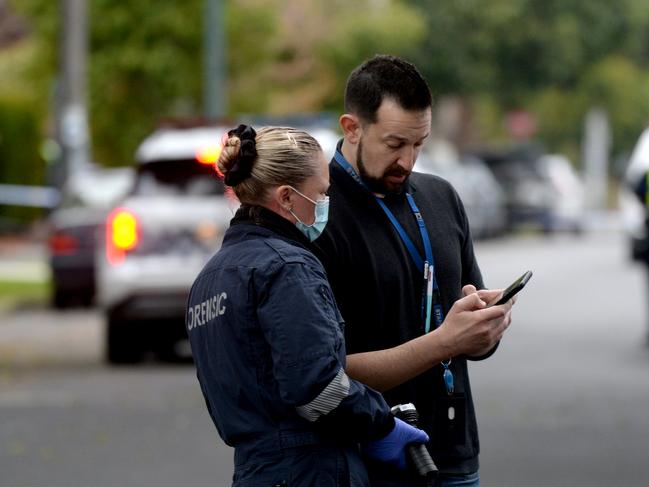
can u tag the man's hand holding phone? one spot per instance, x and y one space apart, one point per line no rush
476 323
489 296
471 326
498 297
513 289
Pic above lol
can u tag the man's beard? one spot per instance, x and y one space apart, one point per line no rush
379 184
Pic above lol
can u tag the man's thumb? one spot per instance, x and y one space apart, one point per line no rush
471 302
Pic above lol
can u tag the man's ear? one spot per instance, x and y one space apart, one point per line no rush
351 127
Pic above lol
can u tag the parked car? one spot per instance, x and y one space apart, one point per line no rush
481 194
543 191
633 211
569 203
158 238
74 227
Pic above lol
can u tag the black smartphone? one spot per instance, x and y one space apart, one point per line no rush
512 290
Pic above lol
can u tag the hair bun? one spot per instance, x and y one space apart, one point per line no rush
238 154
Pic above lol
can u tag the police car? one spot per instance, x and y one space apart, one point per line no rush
157 239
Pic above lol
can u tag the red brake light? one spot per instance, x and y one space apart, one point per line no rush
122 234
62 244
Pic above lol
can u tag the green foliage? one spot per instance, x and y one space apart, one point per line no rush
614 84
19 73
43 17
23 107
514 47
622 88
20 162
555 58
560 114
363 32
14 293
145 64
253 55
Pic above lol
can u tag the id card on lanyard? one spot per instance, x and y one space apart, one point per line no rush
431 297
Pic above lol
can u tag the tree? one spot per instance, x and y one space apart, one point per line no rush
553 57
556 58
145 60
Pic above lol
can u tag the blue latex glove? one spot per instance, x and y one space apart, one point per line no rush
392 448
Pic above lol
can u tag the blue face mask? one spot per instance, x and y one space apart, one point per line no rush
314 230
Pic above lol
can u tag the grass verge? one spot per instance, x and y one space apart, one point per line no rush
18 293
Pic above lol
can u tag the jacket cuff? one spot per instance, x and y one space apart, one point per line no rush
382 431
484 356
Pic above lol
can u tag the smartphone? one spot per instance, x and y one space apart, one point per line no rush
512 290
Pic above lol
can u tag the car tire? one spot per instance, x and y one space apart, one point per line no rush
60 298
123 341
168 351
87 299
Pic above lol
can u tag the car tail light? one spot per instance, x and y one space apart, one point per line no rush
208 155
122 235
62 244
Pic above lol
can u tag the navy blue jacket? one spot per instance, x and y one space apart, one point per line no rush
267 339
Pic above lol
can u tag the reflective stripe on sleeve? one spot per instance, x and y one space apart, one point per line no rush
328 399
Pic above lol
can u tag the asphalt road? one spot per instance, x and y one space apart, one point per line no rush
564 402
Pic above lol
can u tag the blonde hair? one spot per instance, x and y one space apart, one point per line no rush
284 156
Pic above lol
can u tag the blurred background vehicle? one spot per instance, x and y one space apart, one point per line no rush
634 213
322 126
542 191
569 204
157 240
160 235
75 227
483 198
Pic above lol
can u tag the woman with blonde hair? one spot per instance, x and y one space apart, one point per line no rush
267 337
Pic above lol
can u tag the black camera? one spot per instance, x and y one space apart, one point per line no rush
418 453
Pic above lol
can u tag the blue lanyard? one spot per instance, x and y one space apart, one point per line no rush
431 301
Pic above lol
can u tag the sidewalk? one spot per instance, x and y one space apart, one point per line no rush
604 221
23 259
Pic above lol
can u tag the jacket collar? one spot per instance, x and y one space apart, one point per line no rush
263 217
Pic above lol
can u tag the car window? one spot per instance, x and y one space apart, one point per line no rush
96 189
178 177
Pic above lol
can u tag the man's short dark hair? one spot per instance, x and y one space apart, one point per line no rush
385 77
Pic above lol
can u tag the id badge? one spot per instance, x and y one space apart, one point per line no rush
450 419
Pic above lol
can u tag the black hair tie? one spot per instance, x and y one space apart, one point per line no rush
242 167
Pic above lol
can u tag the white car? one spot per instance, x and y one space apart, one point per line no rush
157 240
632 210
542 190
159 237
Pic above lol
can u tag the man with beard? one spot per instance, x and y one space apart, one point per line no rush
400 260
